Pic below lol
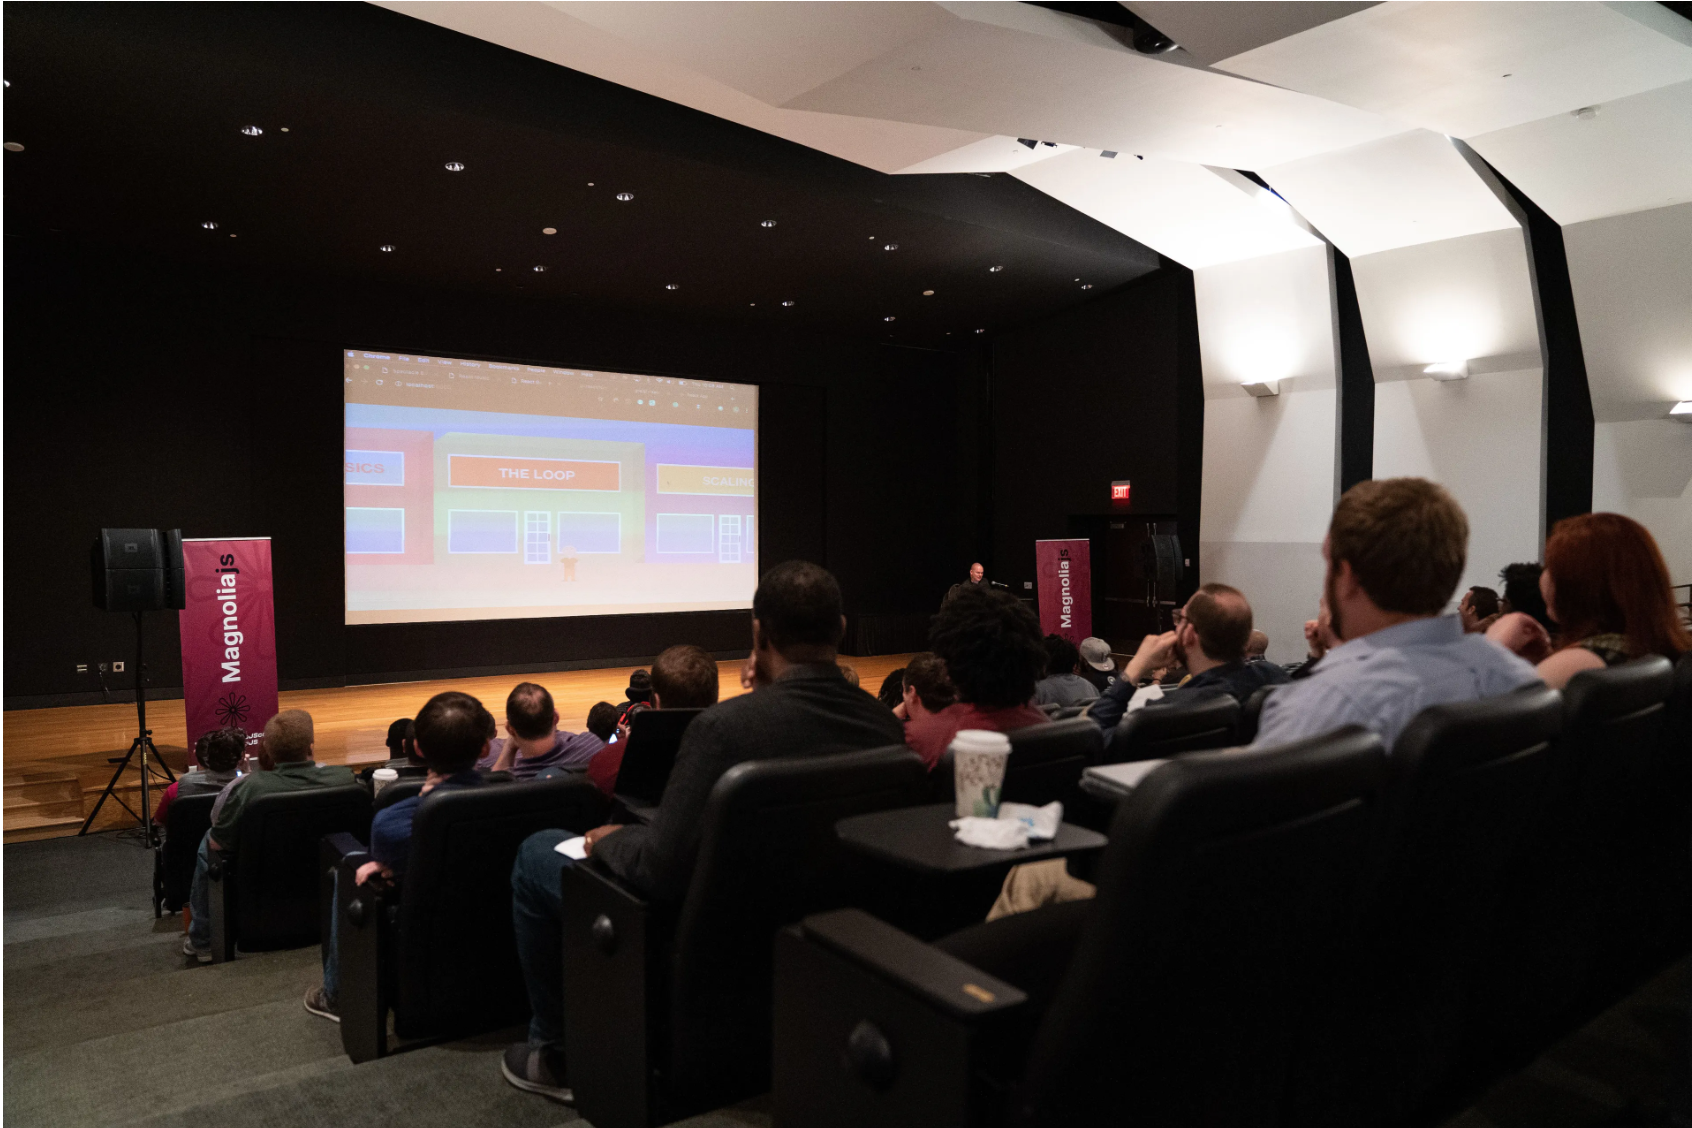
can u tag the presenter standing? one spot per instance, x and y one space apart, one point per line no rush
977 578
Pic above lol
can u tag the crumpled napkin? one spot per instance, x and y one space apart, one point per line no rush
1017 825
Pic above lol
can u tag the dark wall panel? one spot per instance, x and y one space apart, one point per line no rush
150 393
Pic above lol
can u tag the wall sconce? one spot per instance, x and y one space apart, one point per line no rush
1682 411
1448 370
1261 388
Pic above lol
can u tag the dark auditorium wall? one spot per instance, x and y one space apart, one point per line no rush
149 392
1108 390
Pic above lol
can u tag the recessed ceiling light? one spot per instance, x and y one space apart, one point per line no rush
981 330
232 235
499 270
994 269
671 286
767 223
872 238
251 130
540 270
14 147
754 305
928 293
625 196
387 248
284 129
549 231
788 304
887 319
455 166
1086 285
210 225
891 247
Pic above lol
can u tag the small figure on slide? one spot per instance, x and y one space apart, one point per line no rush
567 557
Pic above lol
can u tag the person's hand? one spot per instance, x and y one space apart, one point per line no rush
1523 635
369 870
623 732
593 836
1313 645
749 672
1155 650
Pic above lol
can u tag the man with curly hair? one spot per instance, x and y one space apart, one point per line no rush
994 653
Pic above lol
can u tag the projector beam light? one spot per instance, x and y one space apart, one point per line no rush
1448 370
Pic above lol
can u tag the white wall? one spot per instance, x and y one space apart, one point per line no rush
1480 439
1269 468
1643 469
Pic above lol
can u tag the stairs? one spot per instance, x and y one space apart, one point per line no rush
42 801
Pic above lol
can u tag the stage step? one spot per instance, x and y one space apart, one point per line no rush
42 796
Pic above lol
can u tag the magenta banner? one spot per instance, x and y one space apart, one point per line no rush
228 637
1065 571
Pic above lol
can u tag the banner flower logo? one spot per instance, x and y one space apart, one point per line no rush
232 709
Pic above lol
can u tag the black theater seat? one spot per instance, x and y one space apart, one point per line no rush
186 824
655 735
1223 894
437 948
1466 782
1158 732
266 894
1245 730
667 1007
1046 762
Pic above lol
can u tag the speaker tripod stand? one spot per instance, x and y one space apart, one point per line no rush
151 762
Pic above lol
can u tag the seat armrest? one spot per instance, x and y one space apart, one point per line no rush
331 849
220 887
939 979
360 929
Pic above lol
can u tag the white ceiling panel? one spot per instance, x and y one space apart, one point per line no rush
995 154
1396 192
1633 295
546 32
1465 67
1634 153
1027 72
1218 29
1184 211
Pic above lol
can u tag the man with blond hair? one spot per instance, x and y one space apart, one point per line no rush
285 764
1395 551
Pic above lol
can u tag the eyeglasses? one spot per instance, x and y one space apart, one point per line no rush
1178 616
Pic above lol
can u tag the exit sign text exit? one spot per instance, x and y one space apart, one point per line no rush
1119 491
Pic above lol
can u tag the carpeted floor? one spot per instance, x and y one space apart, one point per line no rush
106 1023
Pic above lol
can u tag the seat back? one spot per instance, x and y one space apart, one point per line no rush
185 824
1245 730
1158 732
277 885
768 856
455 952
1466 782
1046 761
654 737
1227 879
395 791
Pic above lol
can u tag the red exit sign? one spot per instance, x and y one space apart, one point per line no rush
1119 491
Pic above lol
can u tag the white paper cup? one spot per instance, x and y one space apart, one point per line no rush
381 777
978 771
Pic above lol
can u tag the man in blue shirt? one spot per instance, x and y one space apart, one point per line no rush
451 735
533 743
1395 551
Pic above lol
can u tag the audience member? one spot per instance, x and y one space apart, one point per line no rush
451 734
638 696
1097 665
991 645
1209 639
892 691
216 754
1395 550
683 677
850 673
1063 683
927 689
801 706
533 742
1257 647
402 752
1478 609
1521 593
285 764
1607 589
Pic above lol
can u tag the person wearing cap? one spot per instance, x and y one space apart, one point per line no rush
1097 666
1063 684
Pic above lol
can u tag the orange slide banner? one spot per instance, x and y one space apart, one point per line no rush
497 472
721 481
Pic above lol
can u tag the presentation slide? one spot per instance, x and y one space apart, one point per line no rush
483 490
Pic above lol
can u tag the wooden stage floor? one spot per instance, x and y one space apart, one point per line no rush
55 760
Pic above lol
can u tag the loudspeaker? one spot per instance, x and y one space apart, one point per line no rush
137 570
1160 560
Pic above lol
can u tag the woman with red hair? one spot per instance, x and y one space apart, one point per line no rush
1607 589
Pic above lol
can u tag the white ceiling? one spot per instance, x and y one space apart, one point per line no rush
1465 67
1635 154
1410 188
1632 279
1215 30
1190 213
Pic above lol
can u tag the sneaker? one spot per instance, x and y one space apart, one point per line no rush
319 1003
537 1069
189 949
